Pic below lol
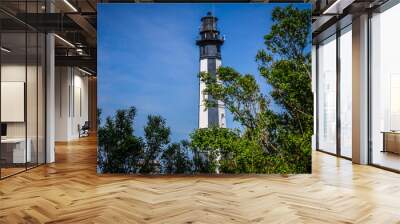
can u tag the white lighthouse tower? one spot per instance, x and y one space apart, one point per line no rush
210 43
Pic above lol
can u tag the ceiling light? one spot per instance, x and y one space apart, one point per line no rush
64 40
70 5
84 71
337 7
79 51
333 6
5 50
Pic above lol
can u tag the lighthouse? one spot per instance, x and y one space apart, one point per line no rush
210 42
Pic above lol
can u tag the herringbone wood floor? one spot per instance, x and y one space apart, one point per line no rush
70 191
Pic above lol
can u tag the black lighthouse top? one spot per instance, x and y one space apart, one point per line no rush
209 39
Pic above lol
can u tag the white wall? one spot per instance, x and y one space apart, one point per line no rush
13 101
9 73
62 82
71 93
33 126
80 105
16 73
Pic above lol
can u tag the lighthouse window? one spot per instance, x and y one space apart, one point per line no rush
211 50
203 51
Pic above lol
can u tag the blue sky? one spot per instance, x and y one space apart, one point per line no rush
147 57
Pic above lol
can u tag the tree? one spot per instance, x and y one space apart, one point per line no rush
213 142
286 66
176 159
118 150
242 97
98 117
200 163
157 136
286 63
283 135
236 154
289 35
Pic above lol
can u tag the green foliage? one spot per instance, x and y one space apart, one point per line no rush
237 154
176 158
273 142
286 66
213 142
98 117
157 135
242 97
240 93
289 35
119 150
200 161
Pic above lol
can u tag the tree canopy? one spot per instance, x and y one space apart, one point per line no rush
285 65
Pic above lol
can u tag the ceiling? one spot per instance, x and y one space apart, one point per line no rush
74 22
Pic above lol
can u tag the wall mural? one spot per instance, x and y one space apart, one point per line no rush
204 88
